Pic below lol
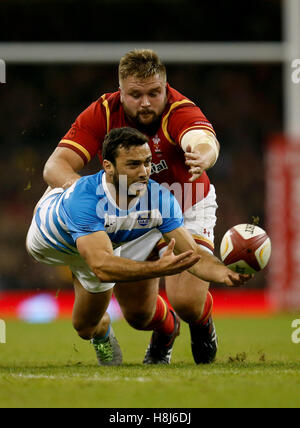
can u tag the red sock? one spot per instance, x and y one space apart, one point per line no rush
163 320
206 311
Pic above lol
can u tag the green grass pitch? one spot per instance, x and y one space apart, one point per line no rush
47 365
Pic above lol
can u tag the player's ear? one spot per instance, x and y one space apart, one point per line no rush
108 167
121 94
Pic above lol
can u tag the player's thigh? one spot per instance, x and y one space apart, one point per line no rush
187 294
200 220
137 297
89 308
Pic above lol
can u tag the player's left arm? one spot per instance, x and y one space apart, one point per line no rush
209 268
201 151
188 127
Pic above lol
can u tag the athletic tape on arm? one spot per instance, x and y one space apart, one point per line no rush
197 136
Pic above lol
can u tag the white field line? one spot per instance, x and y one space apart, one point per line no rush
96 377
139 379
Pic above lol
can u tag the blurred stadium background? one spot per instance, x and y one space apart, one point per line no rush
234 59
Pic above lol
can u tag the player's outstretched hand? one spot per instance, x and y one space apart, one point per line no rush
170 264
197 163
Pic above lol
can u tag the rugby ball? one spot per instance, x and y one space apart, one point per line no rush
245 248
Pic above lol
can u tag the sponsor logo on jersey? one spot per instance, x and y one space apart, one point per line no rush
156 168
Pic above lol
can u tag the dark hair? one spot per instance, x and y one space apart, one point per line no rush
121 137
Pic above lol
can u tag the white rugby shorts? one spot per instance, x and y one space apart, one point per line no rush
200 220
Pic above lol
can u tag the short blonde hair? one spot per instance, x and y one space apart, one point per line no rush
142 64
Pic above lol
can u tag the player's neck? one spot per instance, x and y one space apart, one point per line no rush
120 197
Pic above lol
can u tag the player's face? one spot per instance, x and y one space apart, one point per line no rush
143 100
135 164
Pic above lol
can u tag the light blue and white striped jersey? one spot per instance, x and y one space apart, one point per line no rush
88 207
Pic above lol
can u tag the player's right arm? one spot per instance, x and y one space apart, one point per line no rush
96 249
61 168
80 144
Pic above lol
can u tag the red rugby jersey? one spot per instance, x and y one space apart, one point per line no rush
168 165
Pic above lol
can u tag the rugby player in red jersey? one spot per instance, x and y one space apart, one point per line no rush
184 146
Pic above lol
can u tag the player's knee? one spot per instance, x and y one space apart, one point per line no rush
188 312
139 319
83 331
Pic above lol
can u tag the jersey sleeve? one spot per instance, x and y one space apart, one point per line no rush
87 132
186 118
80 208
172 216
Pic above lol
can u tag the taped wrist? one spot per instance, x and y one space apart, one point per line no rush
197 136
